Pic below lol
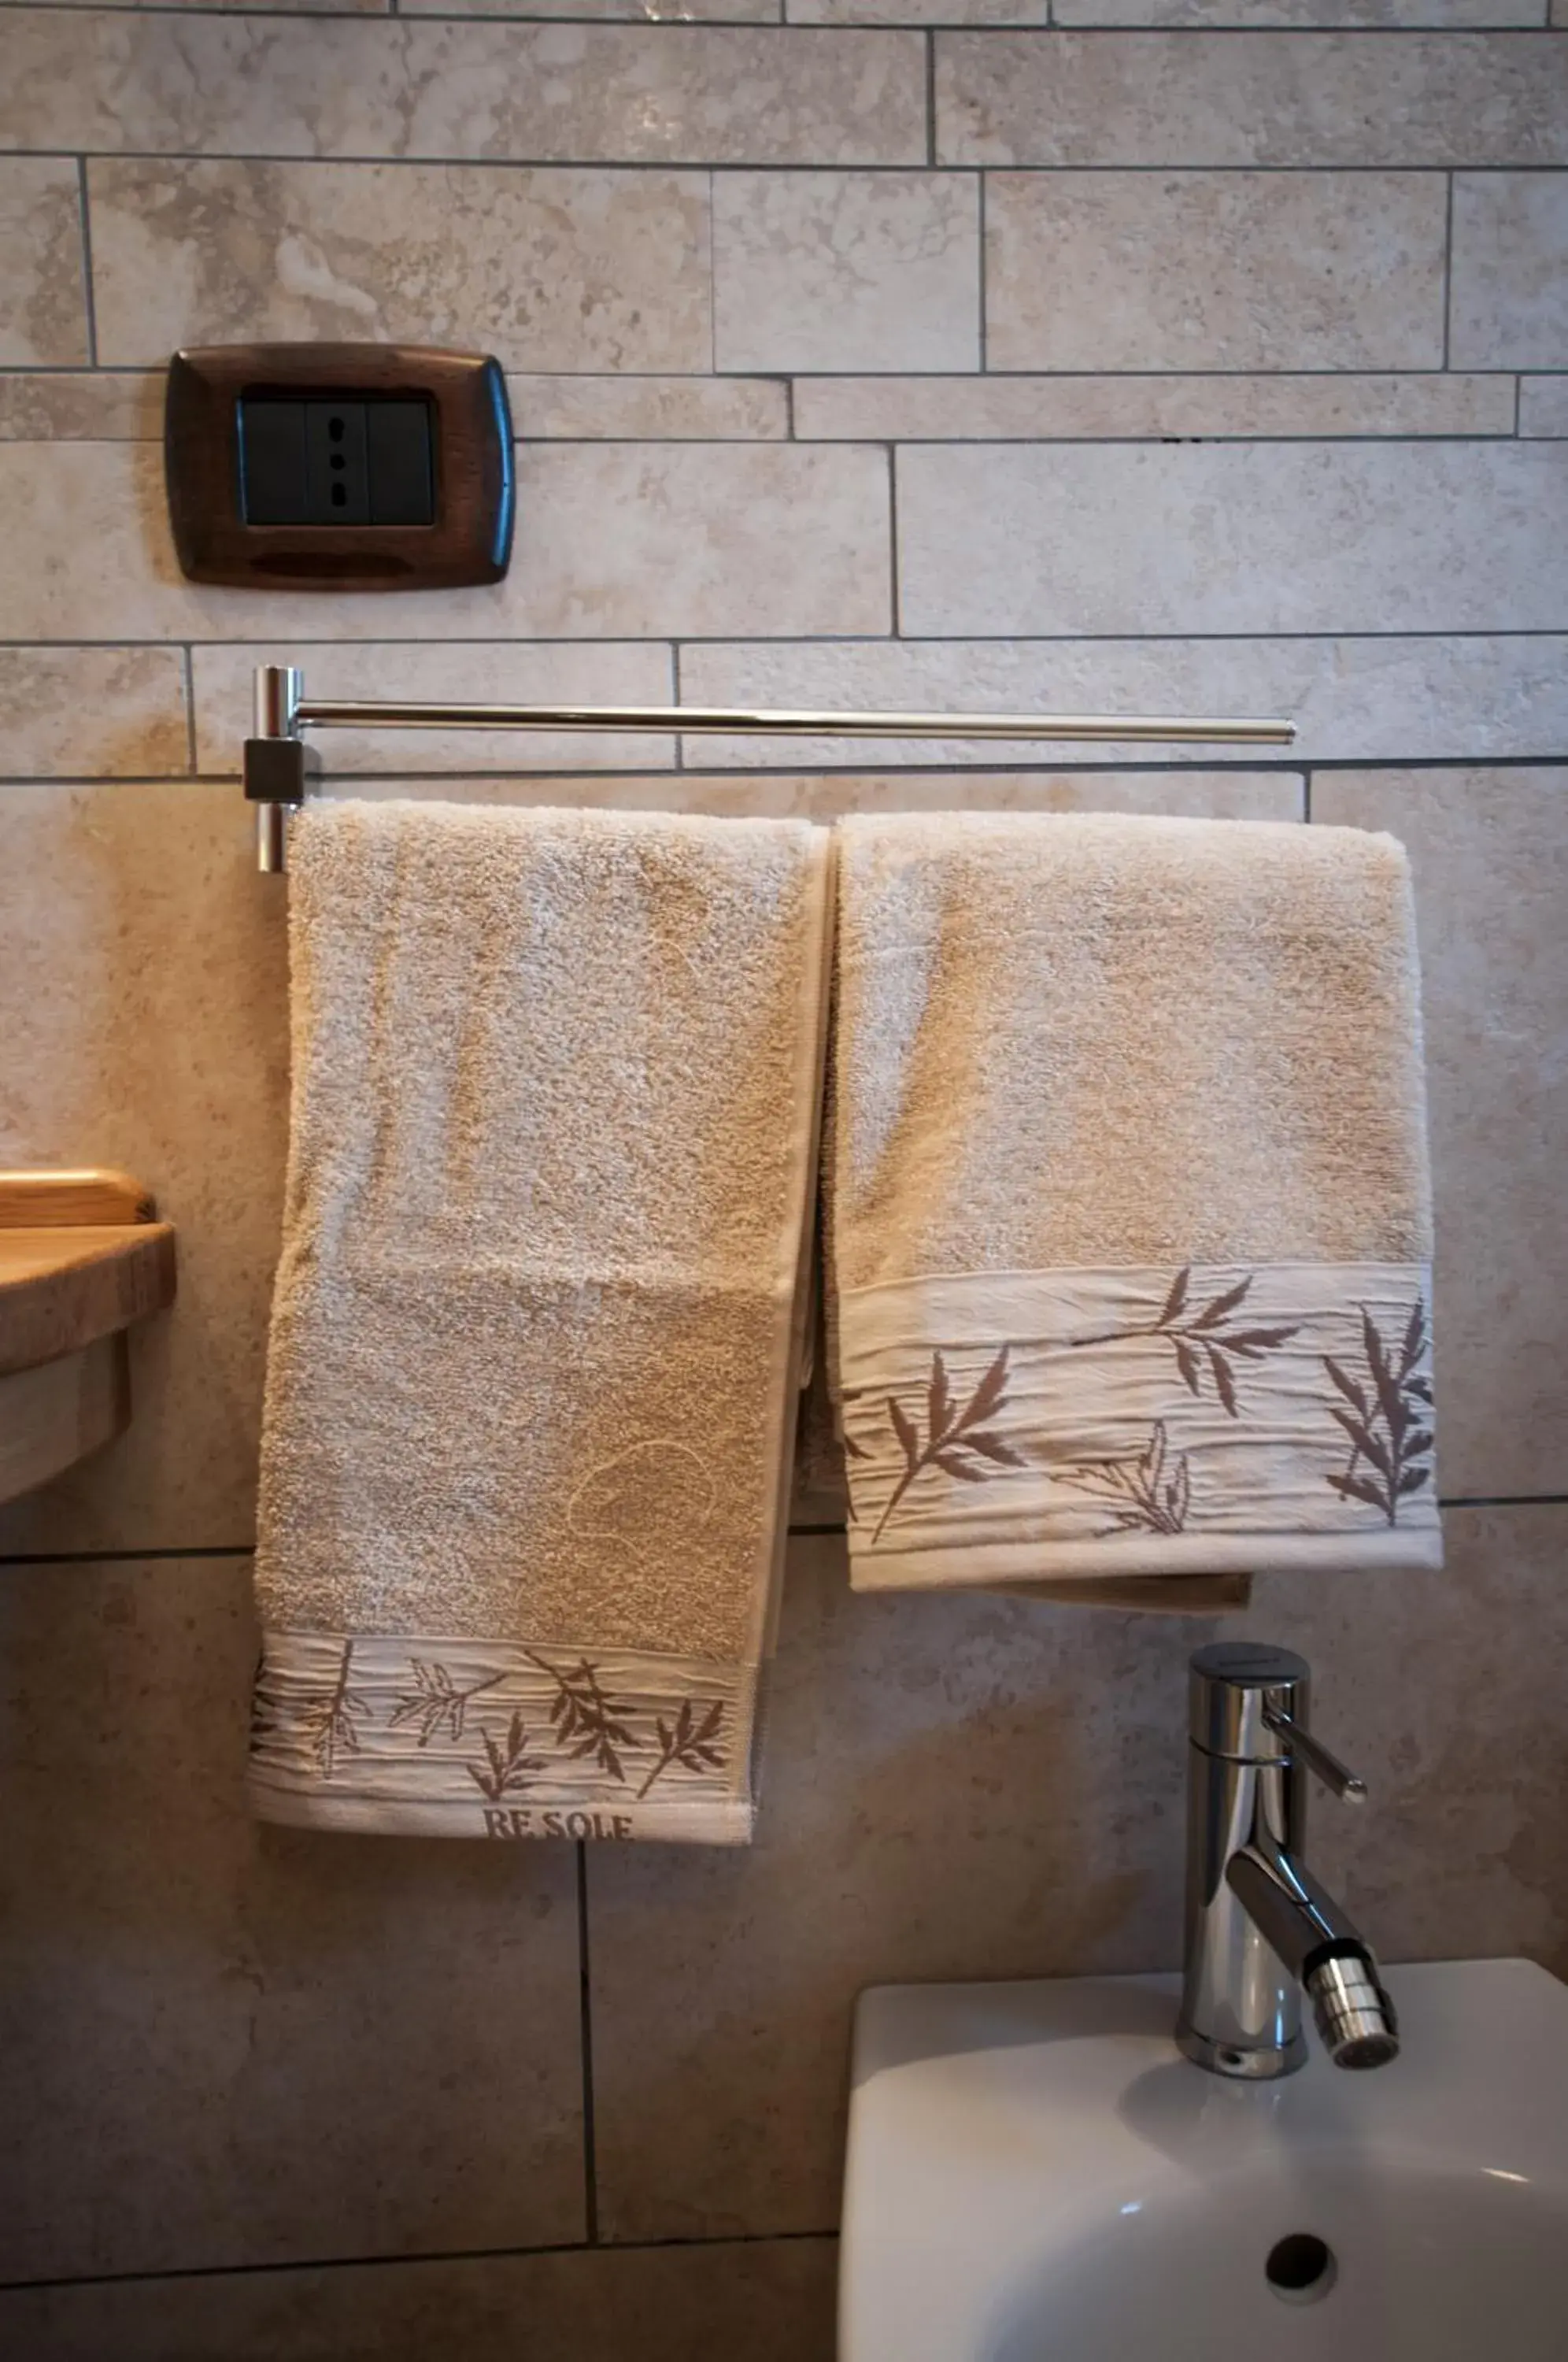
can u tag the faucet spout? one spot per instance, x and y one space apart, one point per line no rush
1321 1948
1260 1931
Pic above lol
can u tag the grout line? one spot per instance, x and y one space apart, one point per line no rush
698 161
585 2002
931 98
118 1557
758 642
1447 268
1503 1500
893 608
420 2256
698 377
636 21
712 274
955 767
87 262
791 436
189 675
1519 404
1306 797
1394 437
984 278
678 760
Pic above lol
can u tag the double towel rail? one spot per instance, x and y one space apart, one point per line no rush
279 767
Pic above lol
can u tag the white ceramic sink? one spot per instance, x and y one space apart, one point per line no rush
1036 2175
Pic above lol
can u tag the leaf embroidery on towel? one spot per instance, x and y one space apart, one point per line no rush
957 1441
507 1766
1207 1336
852 1451
1387 1417
687 1742
436 1699
585 1721
1153 1488
329 1719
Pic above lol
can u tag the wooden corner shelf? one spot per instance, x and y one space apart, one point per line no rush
83 1255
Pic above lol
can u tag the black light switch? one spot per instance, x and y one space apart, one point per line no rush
273 461
399 463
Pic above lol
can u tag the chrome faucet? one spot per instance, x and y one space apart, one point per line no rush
1259 1929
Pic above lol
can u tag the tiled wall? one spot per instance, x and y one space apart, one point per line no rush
1140 354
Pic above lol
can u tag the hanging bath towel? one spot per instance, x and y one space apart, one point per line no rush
1129 1211
537 1333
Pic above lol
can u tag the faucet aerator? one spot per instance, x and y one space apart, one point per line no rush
1354 2016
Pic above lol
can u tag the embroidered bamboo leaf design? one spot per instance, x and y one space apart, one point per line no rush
687 1742
852 1451
1153 1489
1388 1417
507 1765
436 1699
956 1437
584 1720
330 1719
1207 1339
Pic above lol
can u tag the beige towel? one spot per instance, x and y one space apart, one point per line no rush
1129 1214
535 1349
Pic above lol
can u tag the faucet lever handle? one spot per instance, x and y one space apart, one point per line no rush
1345 1783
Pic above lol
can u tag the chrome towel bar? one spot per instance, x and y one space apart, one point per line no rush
278 769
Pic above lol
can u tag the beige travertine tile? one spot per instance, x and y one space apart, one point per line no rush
369 7
918 12
1380 699
43 297
460 88
92 714
644 540
1227 271
969 1786
869 270
618 541
91 405
1346 14
1232 537
767 2301
1543 406
226 2044
126 405
1510 303
650 409
638 12
142 971
549 270
497 672
1490 851
1093 409
1232 98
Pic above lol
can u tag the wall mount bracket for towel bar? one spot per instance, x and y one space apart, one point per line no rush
280 768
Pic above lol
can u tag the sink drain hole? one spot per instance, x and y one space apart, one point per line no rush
1301 2269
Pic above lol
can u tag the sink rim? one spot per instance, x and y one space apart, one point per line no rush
990 2116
